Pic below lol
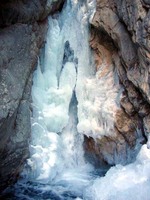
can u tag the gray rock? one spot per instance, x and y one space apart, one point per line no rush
26 11
22 34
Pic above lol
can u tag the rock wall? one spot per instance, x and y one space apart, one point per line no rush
23 27
121 27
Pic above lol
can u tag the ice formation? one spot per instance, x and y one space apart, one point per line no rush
69 100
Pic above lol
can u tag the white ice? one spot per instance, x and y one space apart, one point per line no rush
57 155
130 182
56 146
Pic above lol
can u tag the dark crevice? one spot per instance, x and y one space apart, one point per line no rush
68 57
104 38
58 6
93 155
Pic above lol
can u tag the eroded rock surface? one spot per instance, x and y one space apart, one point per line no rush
113 45
123 29
23 30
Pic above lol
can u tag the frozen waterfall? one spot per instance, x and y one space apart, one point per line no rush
69 101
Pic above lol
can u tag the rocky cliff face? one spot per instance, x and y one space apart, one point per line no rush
23 27
121 36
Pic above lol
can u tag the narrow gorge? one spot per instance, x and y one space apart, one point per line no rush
75 101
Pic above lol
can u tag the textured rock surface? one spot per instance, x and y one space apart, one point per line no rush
126 24
122 144
26 11
20 44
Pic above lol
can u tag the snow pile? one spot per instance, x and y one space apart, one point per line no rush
130 182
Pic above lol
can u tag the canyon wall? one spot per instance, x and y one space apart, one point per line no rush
23 27
120 37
